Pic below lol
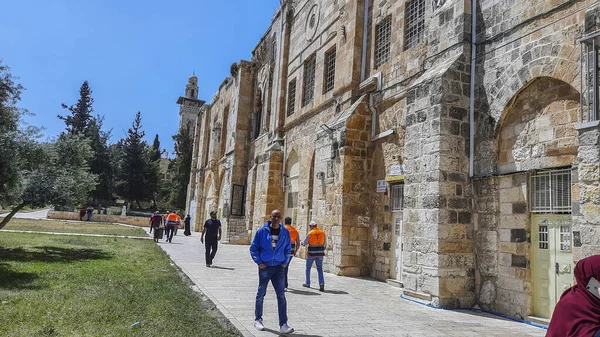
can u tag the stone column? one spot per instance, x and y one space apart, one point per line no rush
588 225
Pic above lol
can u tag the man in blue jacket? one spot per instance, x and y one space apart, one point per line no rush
270 250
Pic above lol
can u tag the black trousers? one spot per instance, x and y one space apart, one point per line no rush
211 245
171 232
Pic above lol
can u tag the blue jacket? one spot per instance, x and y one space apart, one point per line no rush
262 251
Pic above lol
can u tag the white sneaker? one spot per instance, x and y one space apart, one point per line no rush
285 329
258 325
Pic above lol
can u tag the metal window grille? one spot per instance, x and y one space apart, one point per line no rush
565 237
383 34
551 192
589 81
308 87
415 23
291 97
329 70
543 235
397 197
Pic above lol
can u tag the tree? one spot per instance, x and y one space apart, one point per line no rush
138 174
155 149
54 173
80 116
101 163
181 165
11 138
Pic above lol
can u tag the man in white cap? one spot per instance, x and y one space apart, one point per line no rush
316 242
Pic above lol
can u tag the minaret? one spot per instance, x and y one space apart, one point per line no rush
189 104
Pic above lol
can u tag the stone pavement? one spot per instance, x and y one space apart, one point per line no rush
348 307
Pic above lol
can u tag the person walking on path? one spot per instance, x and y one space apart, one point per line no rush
89 212
165 222
171 223
270 250
155 222
187 221
576 313
295 244
316 242
212 230
82 210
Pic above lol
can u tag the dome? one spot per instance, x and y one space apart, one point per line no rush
193 78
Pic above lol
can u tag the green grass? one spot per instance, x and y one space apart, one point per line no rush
95 286
82 227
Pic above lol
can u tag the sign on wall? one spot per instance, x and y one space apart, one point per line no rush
381 186
397 170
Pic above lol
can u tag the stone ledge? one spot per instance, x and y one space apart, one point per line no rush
537 320
417 295
395 283
587 125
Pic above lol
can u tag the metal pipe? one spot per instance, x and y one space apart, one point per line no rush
594 113
581 82
472 91
374 116
363 67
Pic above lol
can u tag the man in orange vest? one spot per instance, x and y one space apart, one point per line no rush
316 242
172 223
295 243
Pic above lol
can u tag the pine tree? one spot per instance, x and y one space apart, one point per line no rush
184 147
133 164
155 149
81 113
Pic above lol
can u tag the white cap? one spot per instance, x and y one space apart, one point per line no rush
312 224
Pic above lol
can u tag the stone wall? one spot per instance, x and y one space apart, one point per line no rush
128 220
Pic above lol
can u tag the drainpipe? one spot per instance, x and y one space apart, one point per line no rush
472 92
363 67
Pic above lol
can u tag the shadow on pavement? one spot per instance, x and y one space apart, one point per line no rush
226 268
10 279
336 292
302 292
52 254
276 332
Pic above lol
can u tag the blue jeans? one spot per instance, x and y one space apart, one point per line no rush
319 262
276 275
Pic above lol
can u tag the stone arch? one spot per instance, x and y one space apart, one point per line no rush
209 196
560 61
537 128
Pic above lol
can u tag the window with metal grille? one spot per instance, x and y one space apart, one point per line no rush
329 70
415 23
551 192
565 238
397 197
383 34
590 79
543 235
291 97
308 86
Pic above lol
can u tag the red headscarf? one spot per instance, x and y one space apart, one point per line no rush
577 313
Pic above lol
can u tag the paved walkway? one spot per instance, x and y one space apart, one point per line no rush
348 307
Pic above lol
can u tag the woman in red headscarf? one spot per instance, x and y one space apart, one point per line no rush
577 313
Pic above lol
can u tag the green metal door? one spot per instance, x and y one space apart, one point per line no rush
552 260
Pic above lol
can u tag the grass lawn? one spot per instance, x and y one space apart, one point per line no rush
83 227
96 286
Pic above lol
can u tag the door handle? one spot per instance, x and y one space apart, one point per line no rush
557 267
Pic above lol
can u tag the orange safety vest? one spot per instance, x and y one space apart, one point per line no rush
171 219
316 243
293 238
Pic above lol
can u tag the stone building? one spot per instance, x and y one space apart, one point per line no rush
458 164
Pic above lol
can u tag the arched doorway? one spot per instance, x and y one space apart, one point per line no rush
537 145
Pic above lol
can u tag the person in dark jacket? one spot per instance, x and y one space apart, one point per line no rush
212 230
187 220
577 313
270 250
155 222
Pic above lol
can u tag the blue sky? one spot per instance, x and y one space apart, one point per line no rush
136 55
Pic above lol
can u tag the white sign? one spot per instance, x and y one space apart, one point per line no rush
397 170
381 186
